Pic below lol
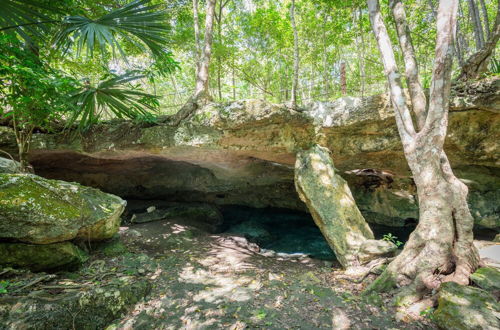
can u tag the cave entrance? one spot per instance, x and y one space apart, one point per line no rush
289 231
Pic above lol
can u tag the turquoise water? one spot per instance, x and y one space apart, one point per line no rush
289 231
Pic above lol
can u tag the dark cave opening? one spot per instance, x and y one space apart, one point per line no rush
289 231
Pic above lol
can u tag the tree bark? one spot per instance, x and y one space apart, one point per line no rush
197 37
440 249
477 64
485 17
417 95
476 21
201 93
295 81
343 79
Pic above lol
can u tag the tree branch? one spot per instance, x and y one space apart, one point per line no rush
416 91
402 113
436 122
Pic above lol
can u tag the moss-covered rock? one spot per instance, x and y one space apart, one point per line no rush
95 308
41 257
465 307
41 211
487 278
9 166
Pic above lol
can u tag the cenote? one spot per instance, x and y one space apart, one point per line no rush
289 231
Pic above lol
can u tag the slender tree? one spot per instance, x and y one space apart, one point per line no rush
295 81
440 249
201 92
197 37
476 21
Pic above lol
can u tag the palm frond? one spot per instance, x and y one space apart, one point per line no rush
137 22
114 97
24 17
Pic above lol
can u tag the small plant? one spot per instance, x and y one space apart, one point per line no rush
428 313
3 287
495 66
393 239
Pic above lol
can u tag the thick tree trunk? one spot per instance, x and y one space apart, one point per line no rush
440 249
295 81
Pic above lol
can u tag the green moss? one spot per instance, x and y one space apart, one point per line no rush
41 257
465 307
487 278
385 282
41 211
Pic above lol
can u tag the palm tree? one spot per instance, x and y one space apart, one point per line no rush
137 23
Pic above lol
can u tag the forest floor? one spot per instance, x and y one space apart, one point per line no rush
205 281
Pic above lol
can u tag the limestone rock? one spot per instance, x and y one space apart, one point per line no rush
41 211
465 307
203 216
332 206
95 308
487 278
9 166
41 257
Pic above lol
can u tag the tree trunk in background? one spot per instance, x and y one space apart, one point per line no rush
476 22
485 18
440 249
362 52
325 62
201 93
477 64
343 79
295 81
197 40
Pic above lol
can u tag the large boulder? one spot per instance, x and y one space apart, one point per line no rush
465 307
334 210
41 211
41 257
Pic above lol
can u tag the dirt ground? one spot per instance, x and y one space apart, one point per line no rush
205 281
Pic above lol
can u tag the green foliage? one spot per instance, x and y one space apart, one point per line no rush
4 285
137 23
428 313
494 67
393 239
31 93
113 97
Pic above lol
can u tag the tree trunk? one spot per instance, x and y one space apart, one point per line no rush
477 64
197 40
219 59
201 93
343 79
476 21
295 81
440 249
362 53
485 17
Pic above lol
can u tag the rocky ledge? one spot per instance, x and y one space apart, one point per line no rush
243 153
